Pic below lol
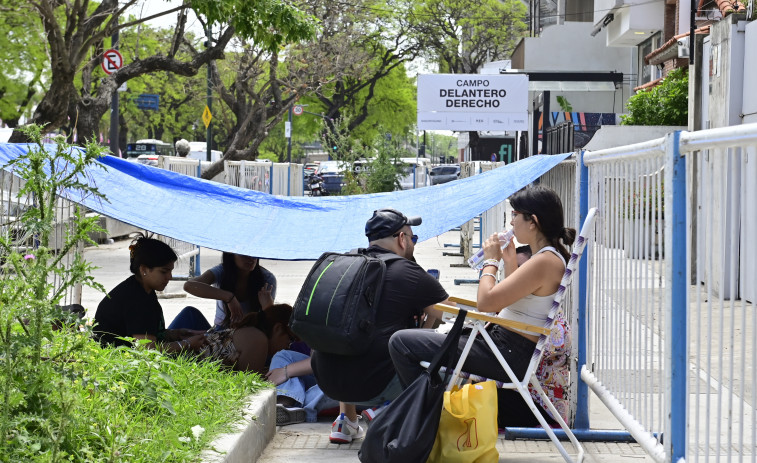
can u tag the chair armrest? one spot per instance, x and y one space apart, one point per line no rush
462 301
494 319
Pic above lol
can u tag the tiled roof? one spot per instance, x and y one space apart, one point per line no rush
650 58
648 85
726 6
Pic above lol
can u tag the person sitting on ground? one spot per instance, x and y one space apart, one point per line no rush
131 309
182 148
407 297
238 284
298 396
250 343
525 295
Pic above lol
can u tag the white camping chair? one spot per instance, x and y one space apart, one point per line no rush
478 322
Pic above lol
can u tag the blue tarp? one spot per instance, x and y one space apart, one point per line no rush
229 218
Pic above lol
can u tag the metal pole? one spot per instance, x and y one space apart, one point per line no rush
581 420
289 138
692 28
209 132
676 316
114 108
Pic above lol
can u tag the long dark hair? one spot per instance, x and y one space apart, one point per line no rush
255 281
149 252
546 206
266 319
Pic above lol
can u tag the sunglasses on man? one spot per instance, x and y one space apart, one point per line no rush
413 238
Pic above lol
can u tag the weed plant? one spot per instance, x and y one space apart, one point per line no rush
62 396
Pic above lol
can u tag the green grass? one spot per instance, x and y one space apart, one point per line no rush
123 405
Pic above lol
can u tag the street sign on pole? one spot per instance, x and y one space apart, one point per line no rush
297 110
112 61
287 129
206 117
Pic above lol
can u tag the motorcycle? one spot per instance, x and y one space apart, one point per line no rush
315 185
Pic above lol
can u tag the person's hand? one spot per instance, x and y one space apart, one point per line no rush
184 333
197 342
264 296
492 248
276 376
235 309
509 254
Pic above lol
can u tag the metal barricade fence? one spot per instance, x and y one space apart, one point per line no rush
670 319
12 207
625 363
722 364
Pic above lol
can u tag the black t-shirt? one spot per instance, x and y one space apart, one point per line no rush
127 311
407 290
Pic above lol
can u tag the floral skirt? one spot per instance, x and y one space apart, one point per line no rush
220 346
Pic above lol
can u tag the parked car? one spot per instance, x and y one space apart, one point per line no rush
444 174
332 173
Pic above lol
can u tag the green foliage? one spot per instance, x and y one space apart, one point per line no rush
62 396
665 104
268 23
384 171
565 105
462 35
24 63
182 98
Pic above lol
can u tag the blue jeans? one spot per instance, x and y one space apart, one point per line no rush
190 318
303 389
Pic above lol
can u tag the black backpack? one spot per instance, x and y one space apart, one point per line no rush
335 311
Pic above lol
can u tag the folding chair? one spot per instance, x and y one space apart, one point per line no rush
479 321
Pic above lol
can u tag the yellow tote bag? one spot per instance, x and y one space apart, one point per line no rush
468 426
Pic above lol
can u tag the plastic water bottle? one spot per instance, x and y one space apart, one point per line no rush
476 261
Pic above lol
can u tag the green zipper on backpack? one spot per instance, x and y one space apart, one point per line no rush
307 309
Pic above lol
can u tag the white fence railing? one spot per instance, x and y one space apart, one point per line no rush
669 322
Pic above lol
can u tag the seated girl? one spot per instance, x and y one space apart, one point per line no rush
251 343
238 284
131 309
525 295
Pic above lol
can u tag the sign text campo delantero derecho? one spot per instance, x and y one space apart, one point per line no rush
472 97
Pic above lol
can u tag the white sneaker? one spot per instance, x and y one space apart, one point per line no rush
369 414
343 431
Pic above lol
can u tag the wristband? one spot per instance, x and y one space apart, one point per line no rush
231 298
182 343
492 262
286 374
488 275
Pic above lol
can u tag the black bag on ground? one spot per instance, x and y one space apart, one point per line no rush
406 429
335 311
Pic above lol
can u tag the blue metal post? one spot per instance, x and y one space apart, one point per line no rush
582 399
270 179
677 333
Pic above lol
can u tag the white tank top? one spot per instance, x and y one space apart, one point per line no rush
531 309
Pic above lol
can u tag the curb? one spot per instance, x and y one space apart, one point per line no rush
253 433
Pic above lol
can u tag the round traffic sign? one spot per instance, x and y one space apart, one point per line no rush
112 61
297 110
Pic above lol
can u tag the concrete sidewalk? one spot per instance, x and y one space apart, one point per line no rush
309 442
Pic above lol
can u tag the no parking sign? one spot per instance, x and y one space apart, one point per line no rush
112 61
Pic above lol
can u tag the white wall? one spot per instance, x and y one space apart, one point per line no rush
570 47
749 102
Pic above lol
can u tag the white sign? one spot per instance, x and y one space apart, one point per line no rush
287 129
112 61
464 102
297 110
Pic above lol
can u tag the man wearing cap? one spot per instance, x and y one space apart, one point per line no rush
407 297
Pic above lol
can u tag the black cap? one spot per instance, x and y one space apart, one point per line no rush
385 222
